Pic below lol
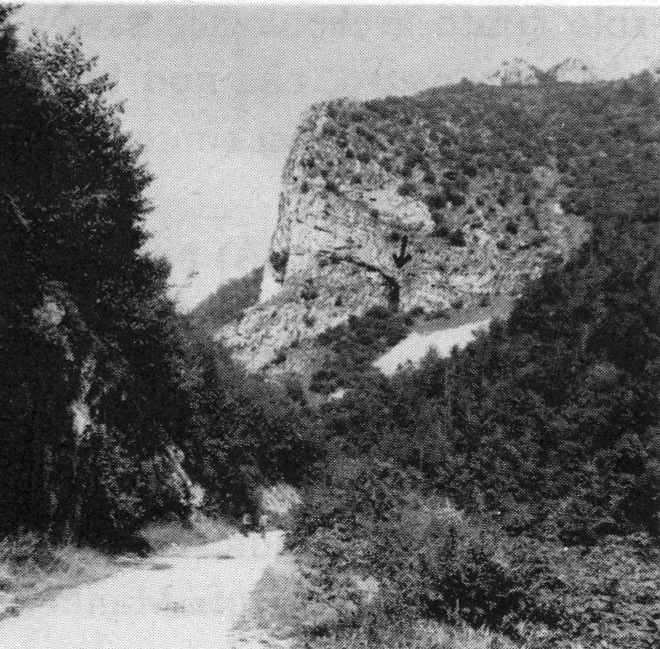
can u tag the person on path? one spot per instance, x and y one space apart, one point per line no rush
246 524
263 525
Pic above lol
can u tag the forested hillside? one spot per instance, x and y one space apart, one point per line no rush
228 302
115 409
515 484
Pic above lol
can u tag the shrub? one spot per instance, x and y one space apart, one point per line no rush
435 201
511 227
309 291
441 229
278 260
454 196
466 575
457 238
329 129
407 189
279 358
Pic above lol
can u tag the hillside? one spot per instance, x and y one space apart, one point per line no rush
440 201
513 485
228 302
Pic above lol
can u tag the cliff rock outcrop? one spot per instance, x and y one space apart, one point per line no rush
573 71
518 71
381 205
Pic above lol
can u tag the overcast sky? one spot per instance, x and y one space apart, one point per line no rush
215 93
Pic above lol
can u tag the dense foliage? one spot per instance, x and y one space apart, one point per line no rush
228 302
102 382
353 347
543 434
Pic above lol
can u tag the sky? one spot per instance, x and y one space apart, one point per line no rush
215 93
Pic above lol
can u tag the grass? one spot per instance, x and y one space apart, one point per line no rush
277 605
418 635
32 570
281 613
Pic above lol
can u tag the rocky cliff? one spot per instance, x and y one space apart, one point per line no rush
425 204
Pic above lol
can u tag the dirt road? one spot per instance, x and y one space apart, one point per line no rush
185 599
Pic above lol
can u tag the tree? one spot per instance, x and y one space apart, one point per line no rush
91 387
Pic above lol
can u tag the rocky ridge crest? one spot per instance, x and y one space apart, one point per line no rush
520 72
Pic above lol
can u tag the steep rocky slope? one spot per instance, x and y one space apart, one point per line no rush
228 302
423 204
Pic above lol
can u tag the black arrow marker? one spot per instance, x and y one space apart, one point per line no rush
402 258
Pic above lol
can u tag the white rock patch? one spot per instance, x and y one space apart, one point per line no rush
415 346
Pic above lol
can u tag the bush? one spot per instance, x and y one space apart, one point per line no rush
454 196
457 238
466 574
435 201
407 189
511 227
278 260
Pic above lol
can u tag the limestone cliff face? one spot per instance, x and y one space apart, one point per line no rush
346 209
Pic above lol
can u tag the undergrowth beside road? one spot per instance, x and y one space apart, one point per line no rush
33 570
379 555
285 610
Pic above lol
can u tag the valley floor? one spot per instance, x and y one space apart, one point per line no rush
185 598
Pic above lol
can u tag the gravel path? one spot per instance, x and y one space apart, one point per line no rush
188 598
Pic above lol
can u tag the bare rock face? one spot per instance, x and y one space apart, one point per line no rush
573 71
71 354
517 71
352 233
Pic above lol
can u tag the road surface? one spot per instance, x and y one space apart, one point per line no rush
188 598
